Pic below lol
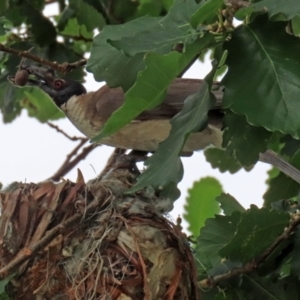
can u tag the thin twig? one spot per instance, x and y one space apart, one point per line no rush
252 266
63 68
69 164
74 138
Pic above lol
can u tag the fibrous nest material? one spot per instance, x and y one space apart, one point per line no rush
92 241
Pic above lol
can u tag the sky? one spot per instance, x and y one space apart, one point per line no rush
32 152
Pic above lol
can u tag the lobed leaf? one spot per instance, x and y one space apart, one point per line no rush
263 79
216 234
219 158
229 204
285 8
256 231
160 35
201 204
243 141
110 64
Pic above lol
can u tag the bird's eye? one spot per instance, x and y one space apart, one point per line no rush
58 84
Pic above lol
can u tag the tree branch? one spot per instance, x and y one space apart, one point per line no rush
275 160
63 68
252 266
74 138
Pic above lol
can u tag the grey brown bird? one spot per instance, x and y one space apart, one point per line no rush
89 112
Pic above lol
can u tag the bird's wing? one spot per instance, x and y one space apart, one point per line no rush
179 90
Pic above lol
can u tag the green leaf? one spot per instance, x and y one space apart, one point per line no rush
167 4
159 35
164 167
287 8
266 289
201 204
85 14
263 76
206 11
256 231
4 282
243 141
216 234
111 65
120 11
9 102
291 146
14 14
219 159
74 29
151 85
4 296
295 22
40 106
283 187
4 24
4 5
42 28
229 204
149 8
154 37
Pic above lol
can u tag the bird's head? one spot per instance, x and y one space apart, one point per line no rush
59 89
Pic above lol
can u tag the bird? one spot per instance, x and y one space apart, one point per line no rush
89 111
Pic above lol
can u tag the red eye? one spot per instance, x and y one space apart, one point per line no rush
58 84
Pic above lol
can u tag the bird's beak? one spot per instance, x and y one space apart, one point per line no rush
35 76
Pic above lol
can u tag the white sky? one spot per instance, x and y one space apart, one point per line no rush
32 152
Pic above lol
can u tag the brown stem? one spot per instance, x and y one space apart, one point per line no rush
252 266
63 68
74 138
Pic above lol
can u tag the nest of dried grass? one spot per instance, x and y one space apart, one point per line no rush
91 241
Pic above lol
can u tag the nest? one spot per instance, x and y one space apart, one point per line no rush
91 241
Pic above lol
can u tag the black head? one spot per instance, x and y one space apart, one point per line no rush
60 90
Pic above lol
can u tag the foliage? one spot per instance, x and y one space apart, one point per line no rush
206 189
142 47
